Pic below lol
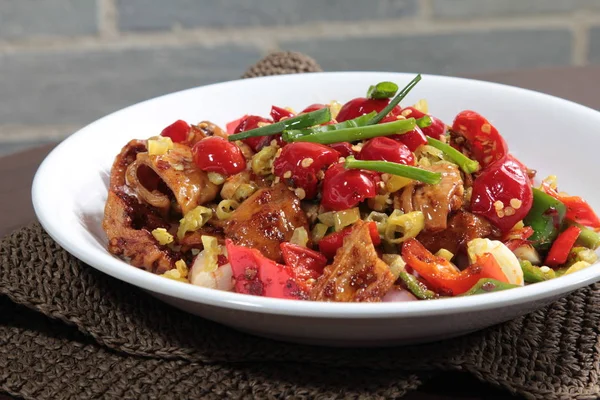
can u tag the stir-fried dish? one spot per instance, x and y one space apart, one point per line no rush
362 202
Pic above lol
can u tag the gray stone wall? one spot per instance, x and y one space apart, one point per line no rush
64 63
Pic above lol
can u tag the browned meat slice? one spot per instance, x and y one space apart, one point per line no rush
435 201
128 223
189 185
462 228
266 219
202 130
357 273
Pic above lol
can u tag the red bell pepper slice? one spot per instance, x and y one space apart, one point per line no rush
518 238
257 275
307 264
559 252
578 209
485 142
330 243
278 113
443 276
231 126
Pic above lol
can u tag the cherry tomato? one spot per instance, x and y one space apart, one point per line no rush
345 188
257 275
502 193
443 276
386 149
313 107
278 113
436 130
215 154
251 122
361 106
344 148
300 162
330 243
177 131
484 141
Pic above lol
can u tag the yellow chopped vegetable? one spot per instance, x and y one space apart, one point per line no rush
179 273
211 253
395 262
380 220
318 232
299 237
578 266
233 183
506 259
225 208
409 225
334 108
244 191
344 218
395 183
159 145
216 178
193 220
327 218
445 254
551 181
422 106
379 202
263 160
162 236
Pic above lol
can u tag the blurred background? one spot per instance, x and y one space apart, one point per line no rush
65 63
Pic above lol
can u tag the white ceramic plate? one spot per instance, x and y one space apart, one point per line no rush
549 134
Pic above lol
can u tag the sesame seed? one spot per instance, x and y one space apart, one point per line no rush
307 162
508 211
261 124
385 177
516 203
342 159
486 128
406 113
545 269
276 179
300 193
498 205
500 213
462 128
287 174
273 142
381 185
320 175
400 117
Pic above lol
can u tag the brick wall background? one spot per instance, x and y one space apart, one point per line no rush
64 63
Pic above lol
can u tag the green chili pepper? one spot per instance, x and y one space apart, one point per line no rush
488 285
587 238
395 101
464 162
298 122
290 135
416 287
383 90
533 274
545 217
407 171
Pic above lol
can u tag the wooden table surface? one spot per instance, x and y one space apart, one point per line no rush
581 85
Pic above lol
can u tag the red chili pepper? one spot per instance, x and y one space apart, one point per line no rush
257 275
251 122
436 129
177 131
313 107
232 126
343 148
278 113
215 154
485 142
502 194
362 106
518 238
345 188
578 209
386 149
307 264
559 252
300 162
443 276
412 139
330 243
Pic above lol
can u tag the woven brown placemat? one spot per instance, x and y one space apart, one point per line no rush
69 331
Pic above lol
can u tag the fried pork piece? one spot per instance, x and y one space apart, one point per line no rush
128 223
462 228
175 169
357 273
266 219
435 201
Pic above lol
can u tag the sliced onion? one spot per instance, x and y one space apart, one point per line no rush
397 295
